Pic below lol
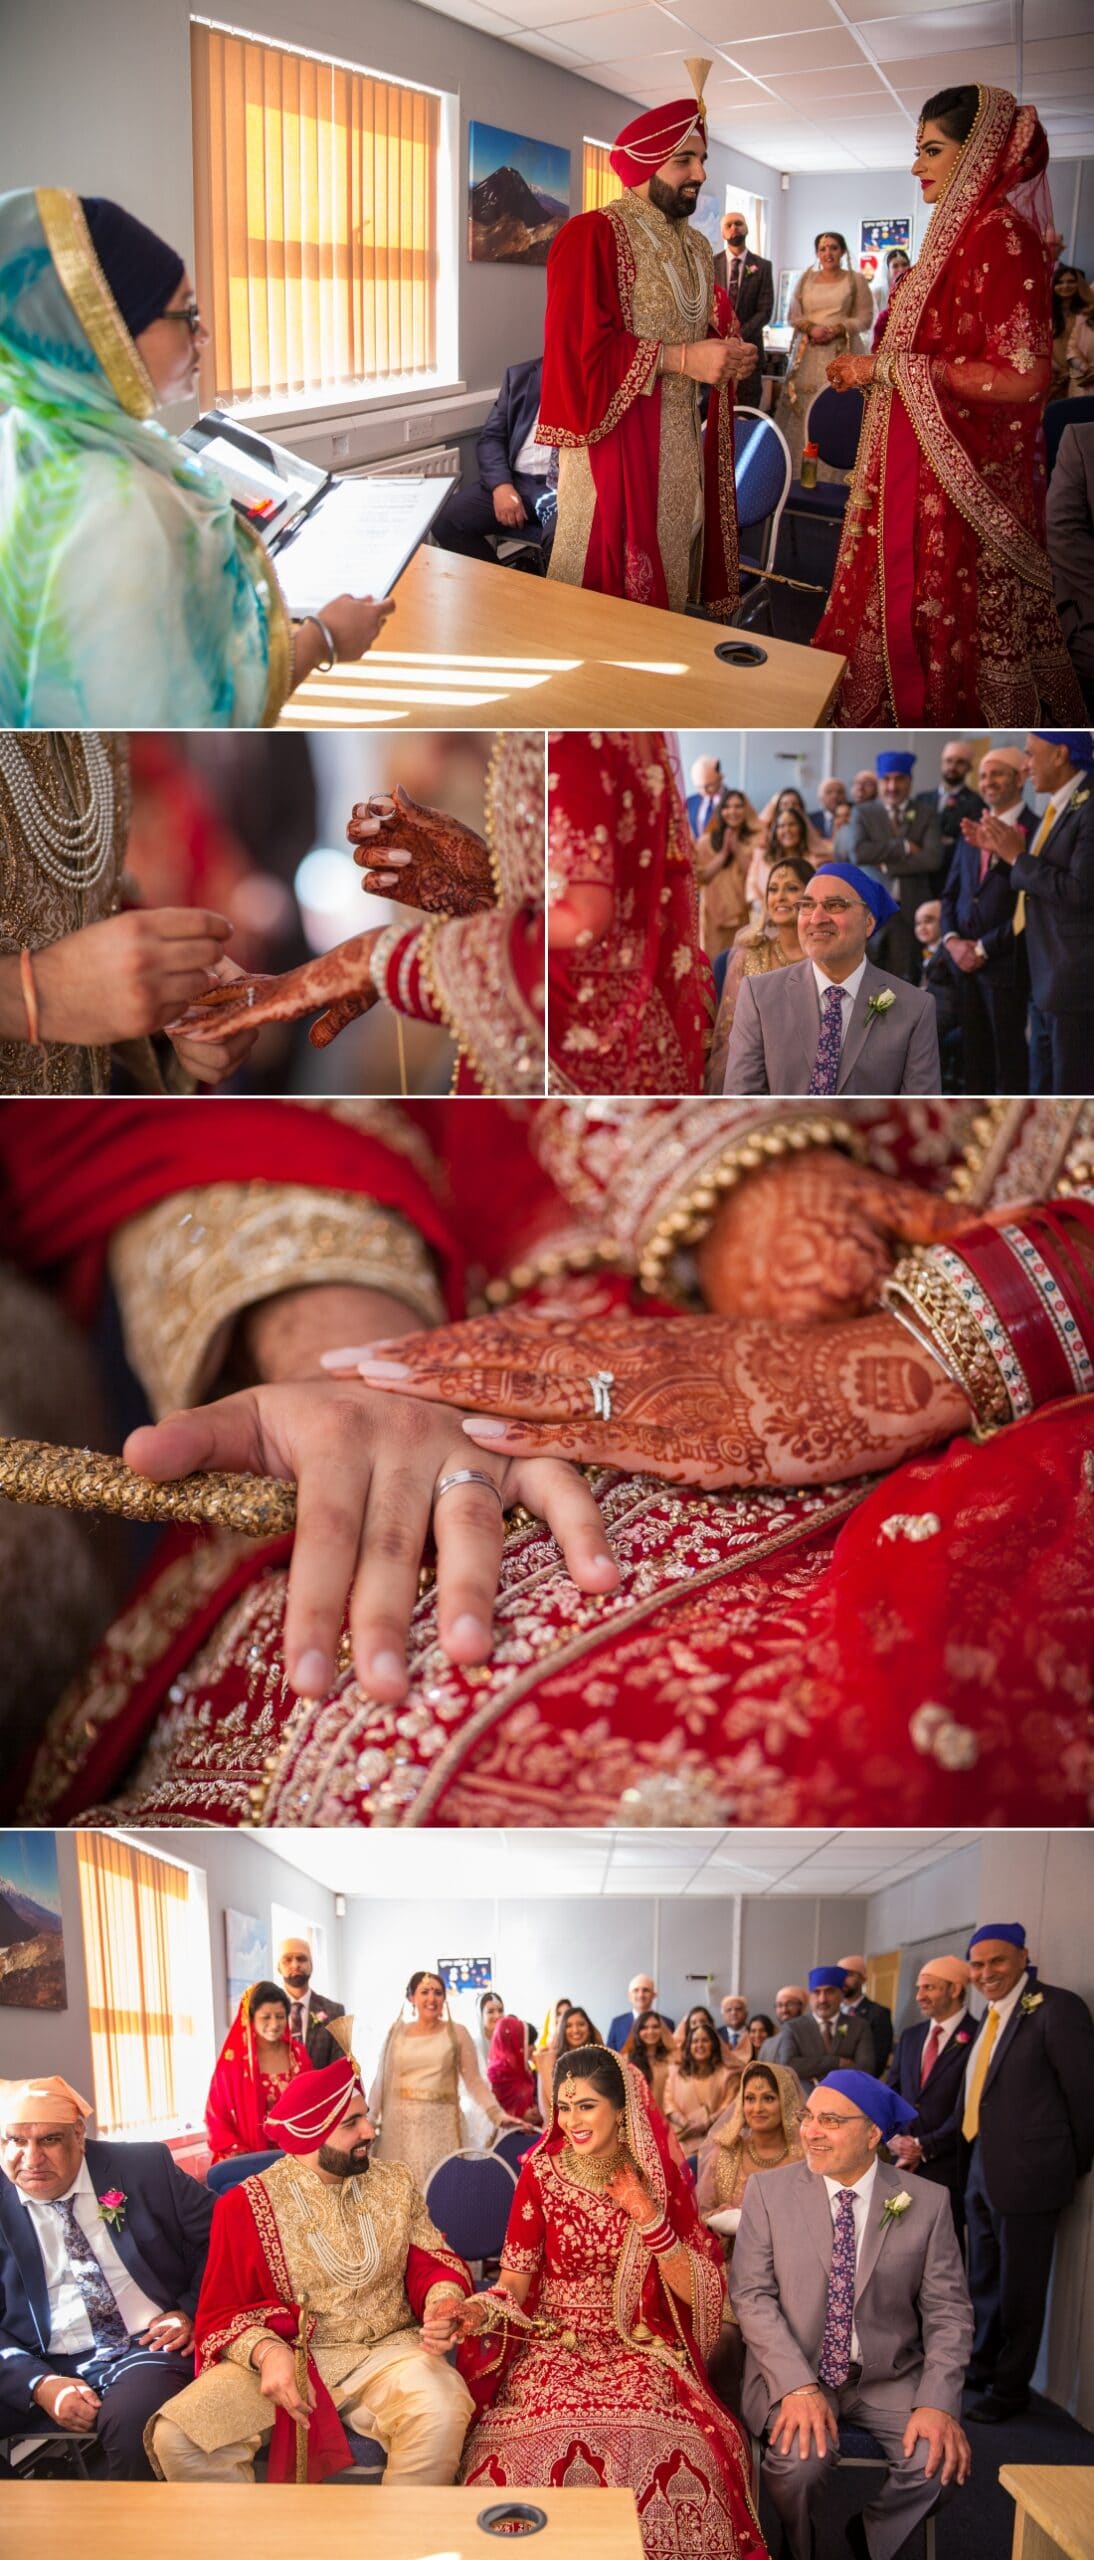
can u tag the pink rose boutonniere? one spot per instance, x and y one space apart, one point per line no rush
112 2207
962 2036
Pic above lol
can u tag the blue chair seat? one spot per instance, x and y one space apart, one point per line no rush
828 500
224 2174
512 2145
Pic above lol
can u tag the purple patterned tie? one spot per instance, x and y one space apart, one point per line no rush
108 2329
835 2362
826 1062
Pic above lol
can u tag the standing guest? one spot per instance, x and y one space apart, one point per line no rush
1081 357
546 2049
491 2008
749 282
256 2062
939 975
649 2048
791 2002
852 2299
834 1023
509 2070
102 2248
642 1993
831 312
761 2131
697 2086
706 793
863 787
1027 2128
513 470
734 2027
760 2028
832 809
897 264
330 2242
723 868
954 798
645 505
900 834
786 835
855 2004
1054 875
415 2099
821 2041
1070 525
577 2029
310 2012
977 925
1071 301
928 2068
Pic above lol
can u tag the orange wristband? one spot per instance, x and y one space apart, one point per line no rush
30 997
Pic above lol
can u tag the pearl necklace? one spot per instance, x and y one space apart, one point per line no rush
74 851
692 306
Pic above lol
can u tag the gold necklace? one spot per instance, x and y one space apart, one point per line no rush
761 2159
594 2173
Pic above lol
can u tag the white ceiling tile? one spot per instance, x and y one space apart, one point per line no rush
721 19
829 89
602 38
547 48
1057 18
822 51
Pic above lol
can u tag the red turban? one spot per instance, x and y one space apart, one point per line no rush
312 2104
651 139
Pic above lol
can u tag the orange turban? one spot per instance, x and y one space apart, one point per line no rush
949 1968
47 2101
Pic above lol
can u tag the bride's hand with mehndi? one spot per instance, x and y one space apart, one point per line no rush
851 373
337 980
628 2188
814 1235
698 1400
421 856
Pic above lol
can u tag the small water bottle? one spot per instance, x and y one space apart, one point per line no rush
810 459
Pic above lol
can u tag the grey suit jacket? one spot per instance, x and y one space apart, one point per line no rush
801 2046
903 862
913 2317
776 1027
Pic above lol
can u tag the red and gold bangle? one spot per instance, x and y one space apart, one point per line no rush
1009 1310
659 2237
30 997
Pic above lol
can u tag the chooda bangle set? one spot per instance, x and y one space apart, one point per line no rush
1007 1310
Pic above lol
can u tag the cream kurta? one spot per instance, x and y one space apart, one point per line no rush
840 301
416 2095
672 299
37 908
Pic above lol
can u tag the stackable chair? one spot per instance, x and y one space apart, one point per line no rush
833 422
469 2197
221 2175
512 2145
762 472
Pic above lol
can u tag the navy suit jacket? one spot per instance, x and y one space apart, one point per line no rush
699 800
983 910
880 2023
1036 2135
163 2240
620 2028
940 2106
510 422
1059 887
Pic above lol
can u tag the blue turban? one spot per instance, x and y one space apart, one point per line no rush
1079 744
140 269
1011 1930
828 1977
885 2107
872 892
894 760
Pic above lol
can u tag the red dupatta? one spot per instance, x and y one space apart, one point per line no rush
507 2069
235 2114
631 1013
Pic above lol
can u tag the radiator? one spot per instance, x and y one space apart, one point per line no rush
436 462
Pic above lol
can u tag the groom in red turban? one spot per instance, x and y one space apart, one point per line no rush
328 2297
635 324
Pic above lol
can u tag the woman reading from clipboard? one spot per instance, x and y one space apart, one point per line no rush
132 594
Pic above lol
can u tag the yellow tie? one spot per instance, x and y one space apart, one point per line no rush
1047 823
970 2126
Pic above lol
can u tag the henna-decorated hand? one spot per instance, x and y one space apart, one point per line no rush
699 1400
628 2188
421 856
851 373
813 1237
337 979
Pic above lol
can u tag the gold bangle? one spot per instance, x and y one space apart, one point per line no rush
961 1346
30 998
690 1217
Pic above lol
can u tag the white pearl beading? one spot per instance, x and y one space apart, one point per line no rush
73 850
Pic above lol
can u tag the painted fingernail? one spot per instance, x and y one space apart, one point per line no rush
485 1430
374 1368
393 855
388 1667
383 879
313 1674
348 1359
472 1633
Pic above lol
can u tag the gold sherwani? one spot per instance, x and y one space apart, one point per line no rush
38 906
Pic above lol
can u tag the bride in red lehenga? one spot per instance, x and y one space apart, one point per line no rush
609 2303
942 596
766 1338
631 994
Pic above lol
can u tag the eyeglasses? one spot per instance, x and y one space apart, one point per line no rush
832 2123
187 311
828 906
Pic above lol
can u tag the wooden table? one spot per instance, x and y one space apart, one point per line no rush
474 646
1055 2509
126 2520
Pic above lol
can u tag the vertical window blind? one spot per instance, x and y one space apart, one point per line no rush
315 190
139 1961
601 186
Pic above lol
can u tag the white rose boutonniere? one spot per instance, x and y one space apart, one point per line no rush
895 2206
881 1003
1030 2001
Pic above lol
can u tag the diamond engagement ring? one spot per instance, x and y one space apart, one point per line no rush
602 1386
467 1475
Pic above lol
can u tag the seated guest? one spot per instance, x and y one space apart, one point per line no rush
821 2041
699 2083
751 288
833 808
1054 875
1027 2134
509 2070
760 2027
1069 520
760 2131
310 2012
102 2248
855 2004
353 2237
928 2068
642 1993
257 2060
734 2027
833 1023
943 985
978 911
851 2296
649 2047
513 472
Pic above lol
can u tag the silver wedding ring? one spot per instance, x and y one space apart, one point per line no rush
467 1475
602 1386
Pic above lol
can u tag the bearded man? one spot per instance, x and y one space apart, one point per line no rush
320 2271
635 325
